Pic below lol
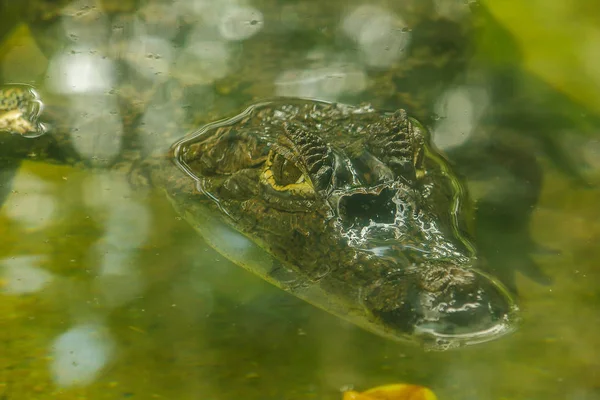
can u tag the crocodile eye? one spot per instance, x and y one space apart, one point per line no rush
285 172
282 173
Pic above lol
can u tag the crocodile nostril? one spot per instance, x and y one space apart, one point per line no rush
360 208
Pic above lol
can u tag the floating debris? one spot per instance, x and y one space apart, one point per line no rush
399 391
20 108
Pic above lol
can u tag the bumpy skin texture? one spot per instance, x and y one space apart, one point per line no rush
357 202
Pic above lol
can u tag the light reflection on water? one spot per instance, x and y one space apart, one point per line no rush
79 354
188 311
381 35
107 293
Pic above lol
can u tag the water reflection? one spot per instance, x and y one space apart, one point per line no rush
22 61
454 10
32 204
84 23
150 56
79 354
80 69
164 119
239 23
96 128
382 36
157 20
150 43
22 275
202 62
327 83
126 224
591 55
458 112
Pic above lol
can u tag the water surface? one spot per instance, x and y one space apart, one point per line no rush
107 293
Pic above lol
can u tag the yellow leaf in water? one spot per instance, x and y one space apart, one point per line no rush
399 391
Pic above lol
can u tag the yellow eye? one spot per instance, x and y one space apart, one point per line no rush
284 175
285 172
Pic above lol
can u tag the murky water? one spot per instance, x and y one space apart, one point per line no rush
107 293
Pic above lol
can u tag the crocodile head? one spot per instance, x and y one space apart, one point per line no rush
359 213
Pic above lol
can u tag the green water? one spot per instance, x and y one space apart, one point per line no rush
106 293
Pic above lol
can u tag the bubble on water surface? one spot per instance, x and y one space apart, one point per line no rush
80 354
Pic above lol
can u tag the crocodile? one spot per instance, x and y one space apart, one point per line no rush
354 209
358 211
349 207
